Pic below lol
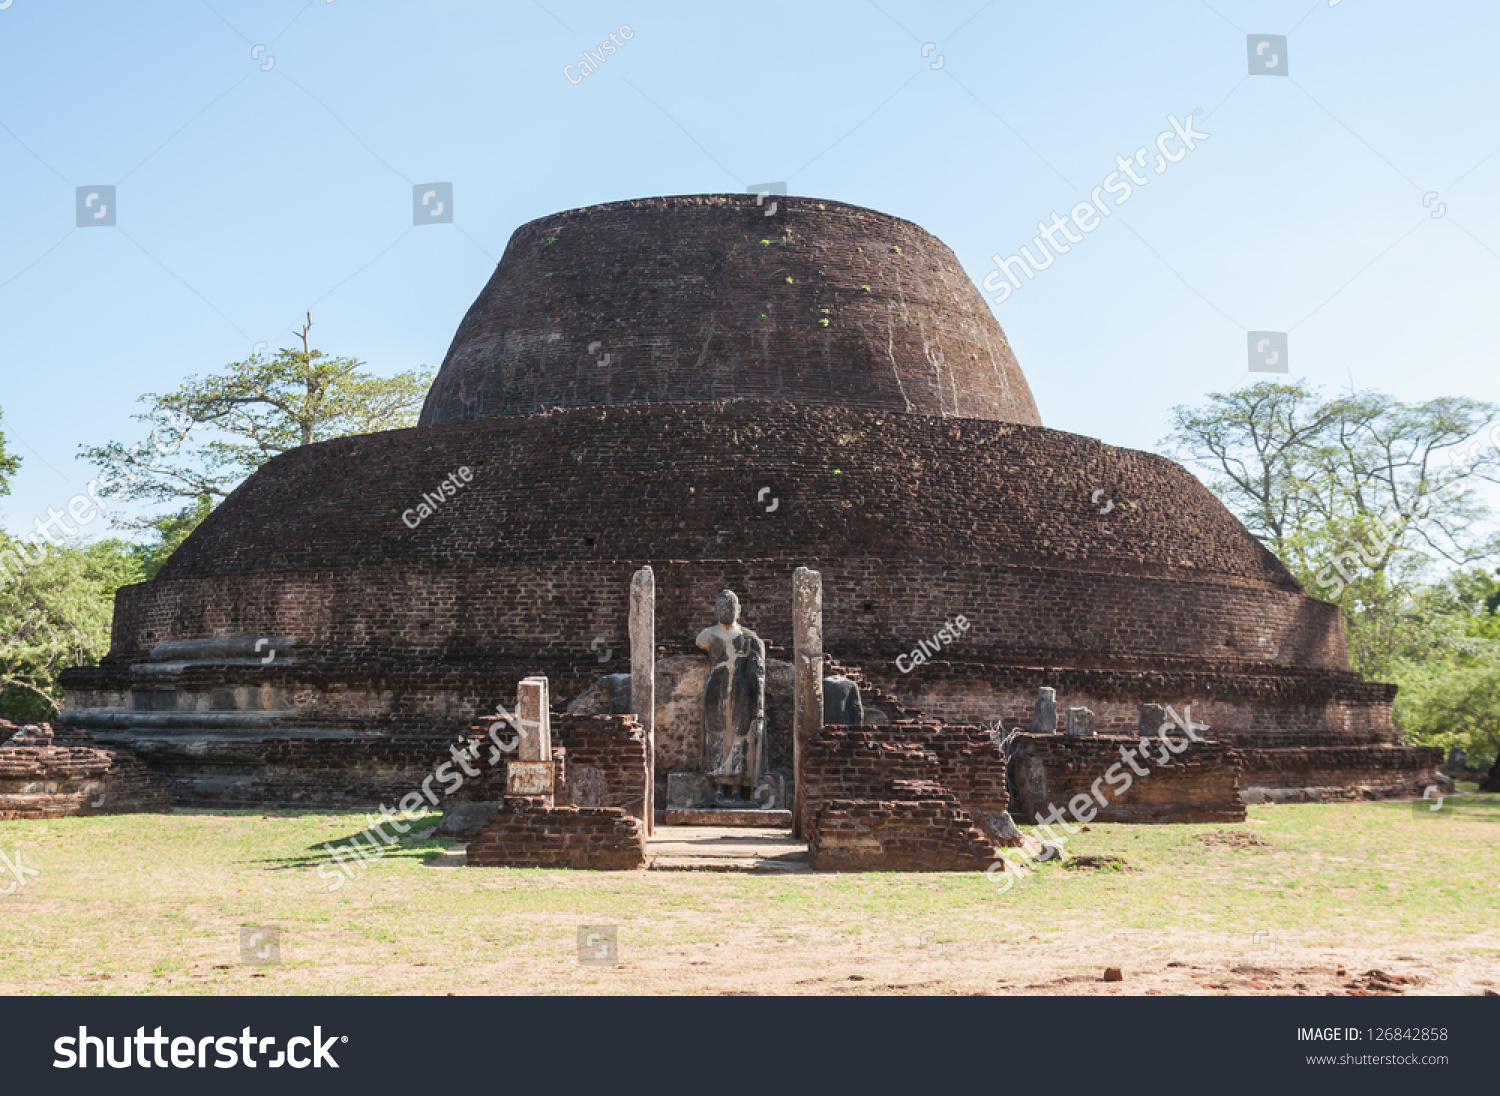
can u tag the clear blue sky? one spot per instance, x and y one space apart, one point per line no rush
249 193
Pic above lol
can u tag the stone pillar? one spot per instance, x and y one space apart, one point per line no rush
1044 713
643 675
807 675
1080 723
1150 721
535 720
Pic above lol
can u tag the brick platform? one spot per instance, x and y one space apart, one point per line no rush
47 773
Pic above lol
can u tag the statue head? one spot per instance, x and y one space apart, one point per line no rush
727 608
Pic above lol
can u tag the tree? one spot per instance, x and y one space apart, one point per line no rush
56 613
212 432
9 465
1359 495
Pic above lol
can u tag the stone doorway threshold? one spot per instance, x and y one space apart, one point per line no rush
726 848
756 819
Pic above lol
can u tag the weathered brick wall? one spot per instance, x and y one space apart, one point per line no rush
920 827
605 762
1341 772
525 836
1201 784
67 773
343 771
703 296
1283 708
885 508
862 763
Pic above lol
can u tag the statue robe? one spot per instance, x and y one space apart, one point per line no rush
734 705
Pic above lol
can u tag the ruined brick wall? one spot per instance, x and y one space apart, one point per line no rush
864 763
704 296
58 773
342 771
919 827
525 836
606 761
1331 773
1273 709
1201 784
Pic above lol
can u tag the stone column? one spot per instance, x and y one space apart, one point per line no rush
535 720
807 675
1044 712
643 674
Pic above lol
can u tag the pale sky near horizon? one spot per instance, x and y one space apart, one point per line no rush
253 184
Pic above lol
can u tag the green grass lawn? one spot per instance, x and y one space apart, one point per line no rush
154 904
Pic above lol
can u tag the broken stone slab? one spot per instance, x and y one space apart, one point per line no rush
688 790
1044 712
842 706
461 818
1080 723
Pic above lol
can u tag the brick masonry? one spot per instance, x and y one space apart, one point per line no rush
1200 784
903 796
702 296
907 463
524 835
60 773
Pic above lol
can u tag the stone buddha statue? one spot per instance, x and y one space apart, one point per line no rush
734 704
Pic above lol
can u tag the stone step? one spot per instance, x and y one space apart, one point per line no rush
751 864
726 816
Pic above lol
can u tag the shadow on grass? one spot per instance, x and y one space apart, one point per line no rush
419 843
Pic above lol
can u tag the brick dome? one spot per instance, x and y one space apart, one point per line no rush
654 382
706 297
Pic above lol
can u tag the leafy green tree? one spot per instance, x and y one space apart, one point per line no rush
211 432
9 464
1360 495
56 613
